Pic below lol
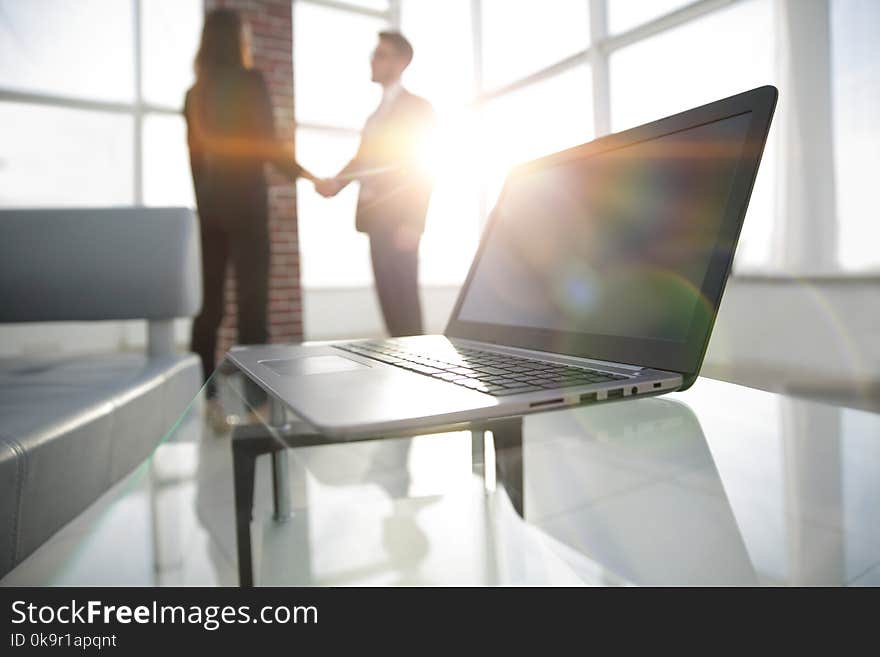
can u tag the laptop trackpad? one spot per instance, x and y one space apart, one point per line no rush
312 365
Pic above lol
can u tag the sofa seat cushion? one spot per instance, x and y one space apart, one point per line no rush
72 426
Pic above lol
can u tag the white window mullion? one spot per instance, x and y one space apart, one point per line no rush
599 67
350 8
394 14
805 238
138 122
477 44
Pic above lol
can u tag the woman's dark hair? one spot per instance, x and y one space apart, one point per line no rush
222 44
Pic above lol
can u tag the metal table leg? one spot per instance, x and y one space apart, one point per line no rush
280 471
249 442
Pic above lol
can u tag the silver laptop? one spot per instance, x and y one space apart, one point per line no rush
598 278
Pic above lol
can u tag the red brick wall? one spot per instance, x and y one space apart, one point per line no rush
271 28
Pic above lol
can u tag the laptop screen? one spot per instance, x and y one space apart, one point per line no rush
618 243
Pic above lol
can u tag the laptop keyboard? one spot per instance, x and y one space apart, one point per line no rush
485 371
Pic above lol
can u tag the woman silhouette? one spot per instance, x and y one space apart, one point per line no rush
231 136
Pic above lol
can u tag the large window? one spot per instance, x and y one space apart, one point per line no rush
631 63
811 209
91 92
90 100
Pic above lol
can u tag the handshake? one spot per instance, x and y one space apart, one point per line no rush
328 187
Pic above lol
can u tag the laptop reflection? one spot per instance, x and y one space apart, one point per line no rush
635 493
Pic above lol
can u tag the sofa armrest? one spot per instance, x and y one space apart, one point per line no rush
99 264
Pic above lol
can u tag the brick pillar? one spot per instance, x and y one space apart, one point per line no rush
272 31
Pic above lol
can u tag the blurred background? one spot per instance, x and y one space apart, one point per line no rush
91 93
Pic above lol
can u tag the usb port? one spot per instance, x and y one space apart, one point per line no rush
614 394
557 400
588 397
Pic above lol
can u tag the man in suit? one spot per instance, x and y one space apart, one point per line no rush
395 188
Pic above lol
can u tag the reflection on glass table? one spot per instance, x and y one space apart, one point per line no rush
718 485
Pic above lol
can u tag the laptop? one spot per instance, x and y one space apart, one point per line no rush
598 278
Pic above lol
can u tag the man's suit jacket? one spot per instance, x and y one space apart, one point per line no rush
395 187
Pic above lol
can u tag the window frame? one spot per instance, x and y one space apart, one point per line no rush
596 55
138 108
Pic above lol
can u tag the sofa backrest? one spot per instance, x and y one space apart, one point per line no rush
99 263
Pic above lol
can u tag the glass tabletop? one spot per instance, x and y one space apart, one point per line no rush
718 485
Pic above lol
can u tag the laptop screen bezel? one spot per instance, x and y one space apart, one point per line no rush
684 357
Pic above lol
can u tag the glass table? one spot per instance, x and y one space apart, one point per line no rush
719 485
